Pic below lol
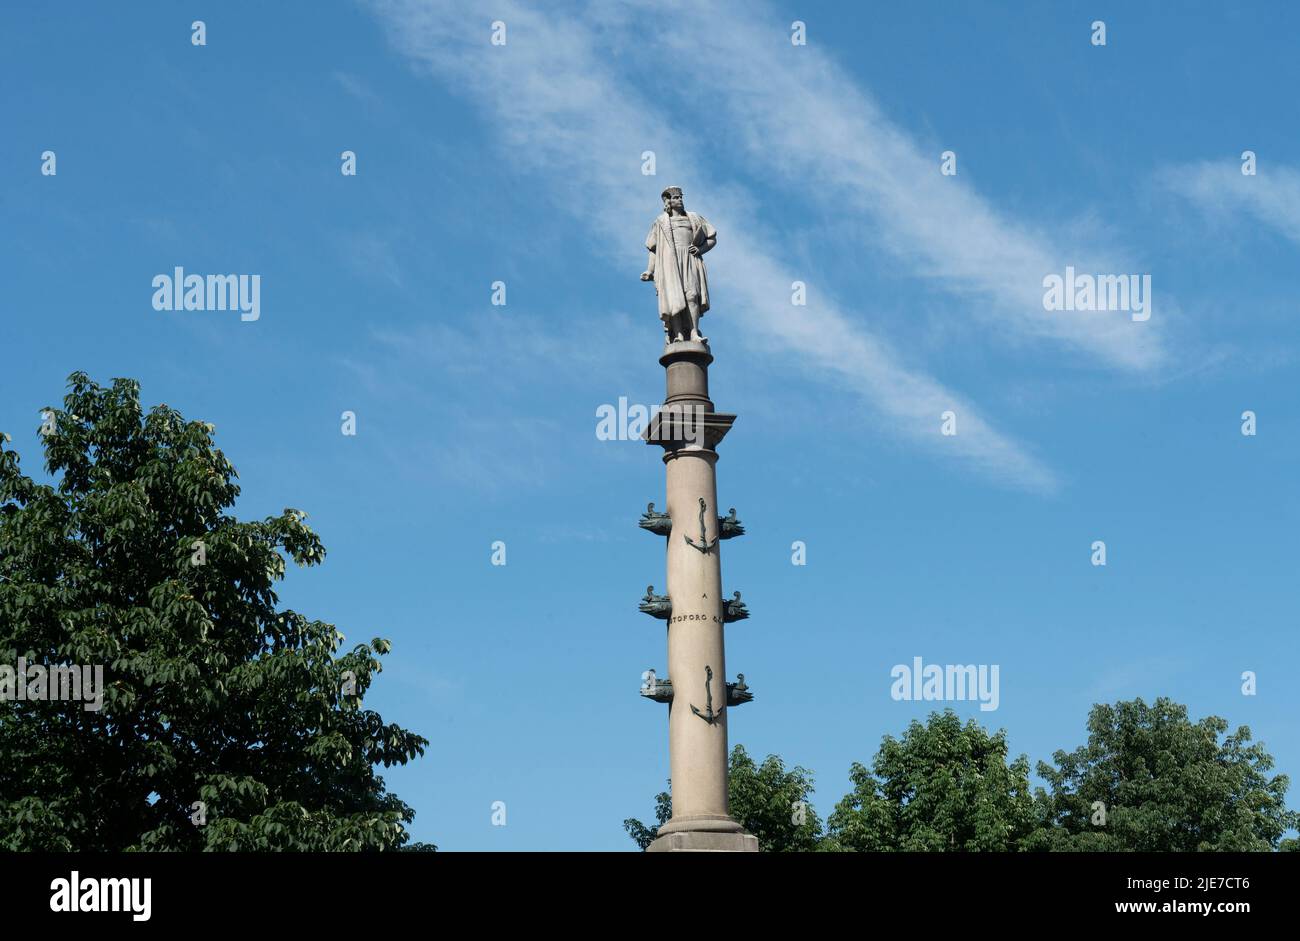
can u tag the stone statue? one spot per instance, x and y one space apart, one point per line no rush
661 524
734 610
657 606
677 242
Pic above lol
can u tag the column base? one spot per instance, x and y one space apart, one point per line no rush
703 834
704 841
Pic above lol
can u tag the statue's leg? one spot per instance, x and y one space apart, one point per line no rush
680 327
693 308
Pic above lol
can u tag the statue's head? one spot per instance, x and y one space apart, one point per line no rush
673 201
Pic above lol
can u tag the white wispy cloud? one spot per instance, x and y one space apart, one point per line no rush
420 376
358 89
560 99
1219 188
797 108
371 254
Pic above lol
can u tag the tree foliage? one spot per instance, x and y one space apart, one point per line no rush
765 799
218 705
942 787
1149 779
773 803
642 835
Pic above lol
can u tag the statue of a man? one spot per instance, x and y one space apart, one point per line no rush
677 242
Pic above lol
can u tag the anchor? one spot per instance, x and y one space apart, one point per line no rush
704 545
708 715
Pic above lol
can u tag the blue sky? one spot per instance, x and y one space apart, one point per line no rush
821 163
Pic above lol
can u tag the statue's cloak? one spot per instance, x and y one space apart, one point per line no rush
679 273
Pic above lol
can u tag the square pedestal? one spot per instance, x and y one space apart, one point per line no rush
704 841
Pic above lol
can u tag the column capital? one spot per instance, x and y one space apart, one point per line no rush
683 428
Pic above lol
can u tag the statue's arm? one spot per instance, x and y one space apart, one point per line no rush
650 243
710 236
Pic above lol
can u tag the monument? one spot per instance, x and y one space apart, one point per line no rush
696 690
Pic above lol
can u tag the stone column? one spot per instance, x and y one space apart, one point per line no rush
689 431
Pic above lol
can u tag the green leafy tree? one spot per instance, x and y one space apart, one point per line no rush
227 723
1149 779
942 787
768 800
773 803
642 835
